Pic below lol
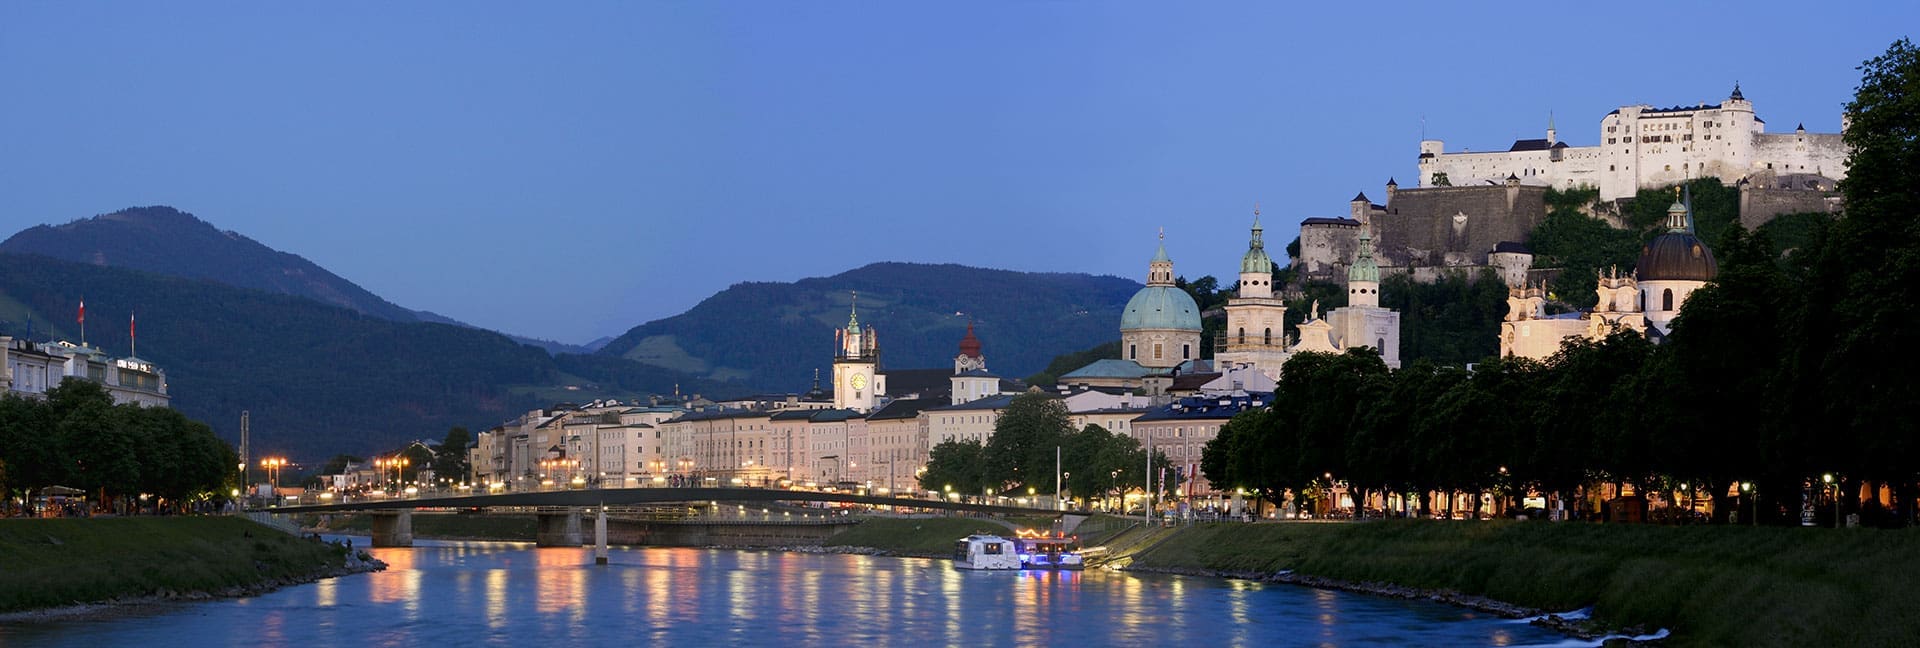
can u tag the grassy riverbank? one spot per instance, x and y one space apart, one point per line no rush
56 562
1710 585
932 536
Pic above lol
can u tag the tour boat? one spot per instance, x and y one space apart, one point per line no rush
1041 551
986 552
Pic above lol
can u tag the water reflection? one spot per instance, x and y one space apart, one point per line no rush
516 595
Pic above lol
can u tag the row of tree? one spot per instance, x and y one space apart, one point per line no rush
1789 368
1020 457
77 438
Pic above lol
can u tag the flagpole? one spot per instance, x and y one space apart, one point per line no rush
83 322
132 347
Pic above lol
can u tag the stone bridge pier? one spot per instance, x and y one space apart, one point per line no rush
393 528
560 529
563 529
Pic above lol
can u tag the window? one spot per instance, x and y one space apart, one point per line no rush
1156 351
1186 352
1380 344
1268 337
1666 299
1132 353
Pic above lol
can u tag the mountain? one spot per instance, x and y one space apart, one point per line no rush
168 241
774 335
318 379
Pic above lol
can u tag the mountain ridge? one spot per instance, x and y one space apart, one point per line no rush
168 241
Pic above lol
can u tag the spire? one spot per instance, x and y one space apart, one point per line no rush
1255 262
970 345
853 312
1736 93
1677 220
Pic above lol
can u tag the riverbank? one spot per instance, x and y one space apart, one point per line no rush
63 568
1709 585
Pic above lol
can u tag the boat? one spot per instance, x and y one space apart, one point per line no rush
1038 550
986 552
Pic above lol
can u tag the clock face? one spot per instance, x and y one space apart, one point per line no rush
859 381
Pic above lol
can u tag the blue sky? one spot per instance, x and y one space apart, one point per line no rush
569 170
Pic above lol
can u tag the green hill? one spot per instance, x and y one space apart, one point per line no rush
319 380
774 335
171 242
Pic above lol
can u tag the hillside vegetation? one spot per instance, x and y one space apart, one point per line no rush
774 335
319 380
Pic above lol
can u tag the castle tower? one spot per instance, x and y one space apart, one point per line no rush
1160 327
856 384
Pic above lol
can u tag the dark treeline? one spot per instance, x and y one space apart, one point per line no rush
77 438
1788 368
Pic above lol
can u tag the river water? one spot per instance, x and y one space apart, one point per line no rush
508 594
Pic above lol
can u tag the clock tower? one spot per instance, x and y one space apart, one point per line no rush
856 357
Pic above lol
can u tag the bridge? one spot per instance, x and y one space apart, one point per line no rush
559 511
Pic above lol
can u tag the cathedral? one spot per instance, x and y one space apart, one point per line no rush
1670 268
1160 329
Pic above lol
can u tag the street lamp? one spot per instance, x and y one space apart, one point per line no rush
1746 490
1828 478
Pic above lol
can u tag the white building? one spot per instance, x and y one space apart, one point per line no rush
1671 267
1640 147
31 369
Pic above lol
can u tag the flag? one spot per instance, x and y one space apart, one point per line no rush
130 339
83 310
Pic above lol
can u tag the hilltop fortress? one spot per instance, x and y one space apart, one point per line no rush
1475 210
1640 147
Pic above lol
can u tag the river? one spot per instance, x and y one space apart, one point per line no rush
508 594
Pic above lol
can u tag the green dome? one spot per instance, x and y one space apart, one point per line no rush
1161 307
1256 261
1364 269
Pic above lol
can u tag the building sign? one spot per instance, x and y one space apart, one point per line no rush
134 366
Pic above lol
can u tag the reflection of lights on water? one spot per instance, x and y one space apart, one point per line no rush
496 599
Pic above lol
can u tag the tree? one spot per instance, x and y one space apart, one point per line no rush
450 456
955 466
1020 452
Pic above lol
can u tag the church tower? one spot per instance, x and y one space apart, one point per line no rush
856 358
1362 322
1256 321
1363 278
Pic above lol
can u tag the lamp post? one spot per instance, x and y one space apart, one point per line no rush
1828 478
1746 489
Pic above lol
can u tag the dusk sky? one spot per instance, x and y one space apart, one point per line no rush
569 170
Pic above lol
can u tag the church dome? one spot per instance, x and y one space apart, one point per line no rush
1676 256
1161 307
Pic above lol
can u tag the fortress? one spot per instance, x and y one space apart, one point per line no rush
1476 210
1640 147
